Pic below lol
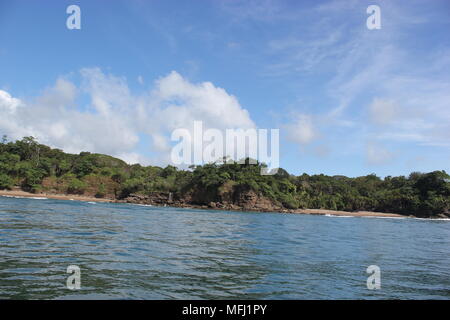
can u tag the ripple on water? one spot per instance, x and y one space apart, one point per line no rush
134 252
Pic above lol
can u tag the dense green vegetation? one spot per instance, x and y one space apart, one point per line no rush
38 168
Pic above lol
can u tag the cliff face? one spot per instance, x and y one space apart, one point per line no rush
155 198
249 200
232 200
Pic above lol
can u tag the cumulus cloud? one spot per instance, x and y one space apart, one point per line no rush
62 94
114 120
182 102
8 104
176 103
52 119
8 108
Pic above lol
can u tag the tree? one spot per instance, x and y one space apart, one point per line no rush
436 181
5 182
27 163
76 186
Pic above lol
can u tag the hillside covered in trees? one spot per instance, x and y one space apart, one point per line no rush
38 168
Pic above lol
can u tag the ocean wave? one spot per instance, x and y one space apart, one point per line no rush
433 219
338 216
378 217
21 197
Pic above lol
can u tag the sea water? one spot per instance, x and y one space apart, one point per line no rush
126 251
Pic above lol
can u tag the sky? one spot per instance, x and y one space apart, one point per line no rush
347 100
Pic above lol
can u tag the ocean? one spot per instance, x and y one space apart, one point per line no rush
126 251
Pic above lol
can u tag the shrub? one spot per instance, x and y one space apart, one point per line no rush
36 188
131 186
76 186
5 182
101 191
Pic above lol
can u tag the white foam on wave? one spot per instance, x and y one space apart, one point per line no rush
91 202
416 218
20 197
373 217
338 216
378 217
433 219
142 205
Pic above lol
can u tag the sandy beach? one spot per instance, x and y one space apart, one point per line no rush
20 193
348 213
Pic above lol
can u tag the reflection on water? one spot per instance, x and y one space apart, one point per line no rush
134 252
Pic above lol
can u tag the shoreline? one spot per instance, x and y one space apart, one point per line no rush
24 194
325 212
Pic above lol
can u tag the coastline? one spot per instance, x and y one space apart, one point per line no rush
325 212
24 194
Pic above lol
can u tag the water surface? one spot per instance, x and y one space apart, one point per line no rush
128 251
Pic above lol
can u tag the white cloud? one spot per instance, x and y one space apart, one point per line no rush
114 119
301 130
305 54
383 111
8 104
404 91
176 103
133 158
413 110
62 94
377 154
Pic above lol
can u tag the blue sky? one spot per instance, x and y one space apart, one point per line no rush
347 100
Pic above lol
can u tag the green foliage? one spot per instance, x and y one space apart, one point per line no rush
33 176
101 191
84 166
76 186
36 167
130 186
5 182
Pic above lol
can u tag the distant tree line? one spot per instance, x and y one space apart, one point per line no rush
38 168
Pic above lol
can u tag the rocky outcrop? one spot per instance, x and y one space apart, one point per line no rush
249 200
235 200
155 198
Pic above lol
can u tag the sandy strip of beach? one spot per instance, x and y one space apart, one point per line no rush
19 193
348 213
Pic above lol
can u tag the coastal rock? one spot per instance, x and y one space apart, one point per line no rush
212 205
235 200
155 198
249 200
